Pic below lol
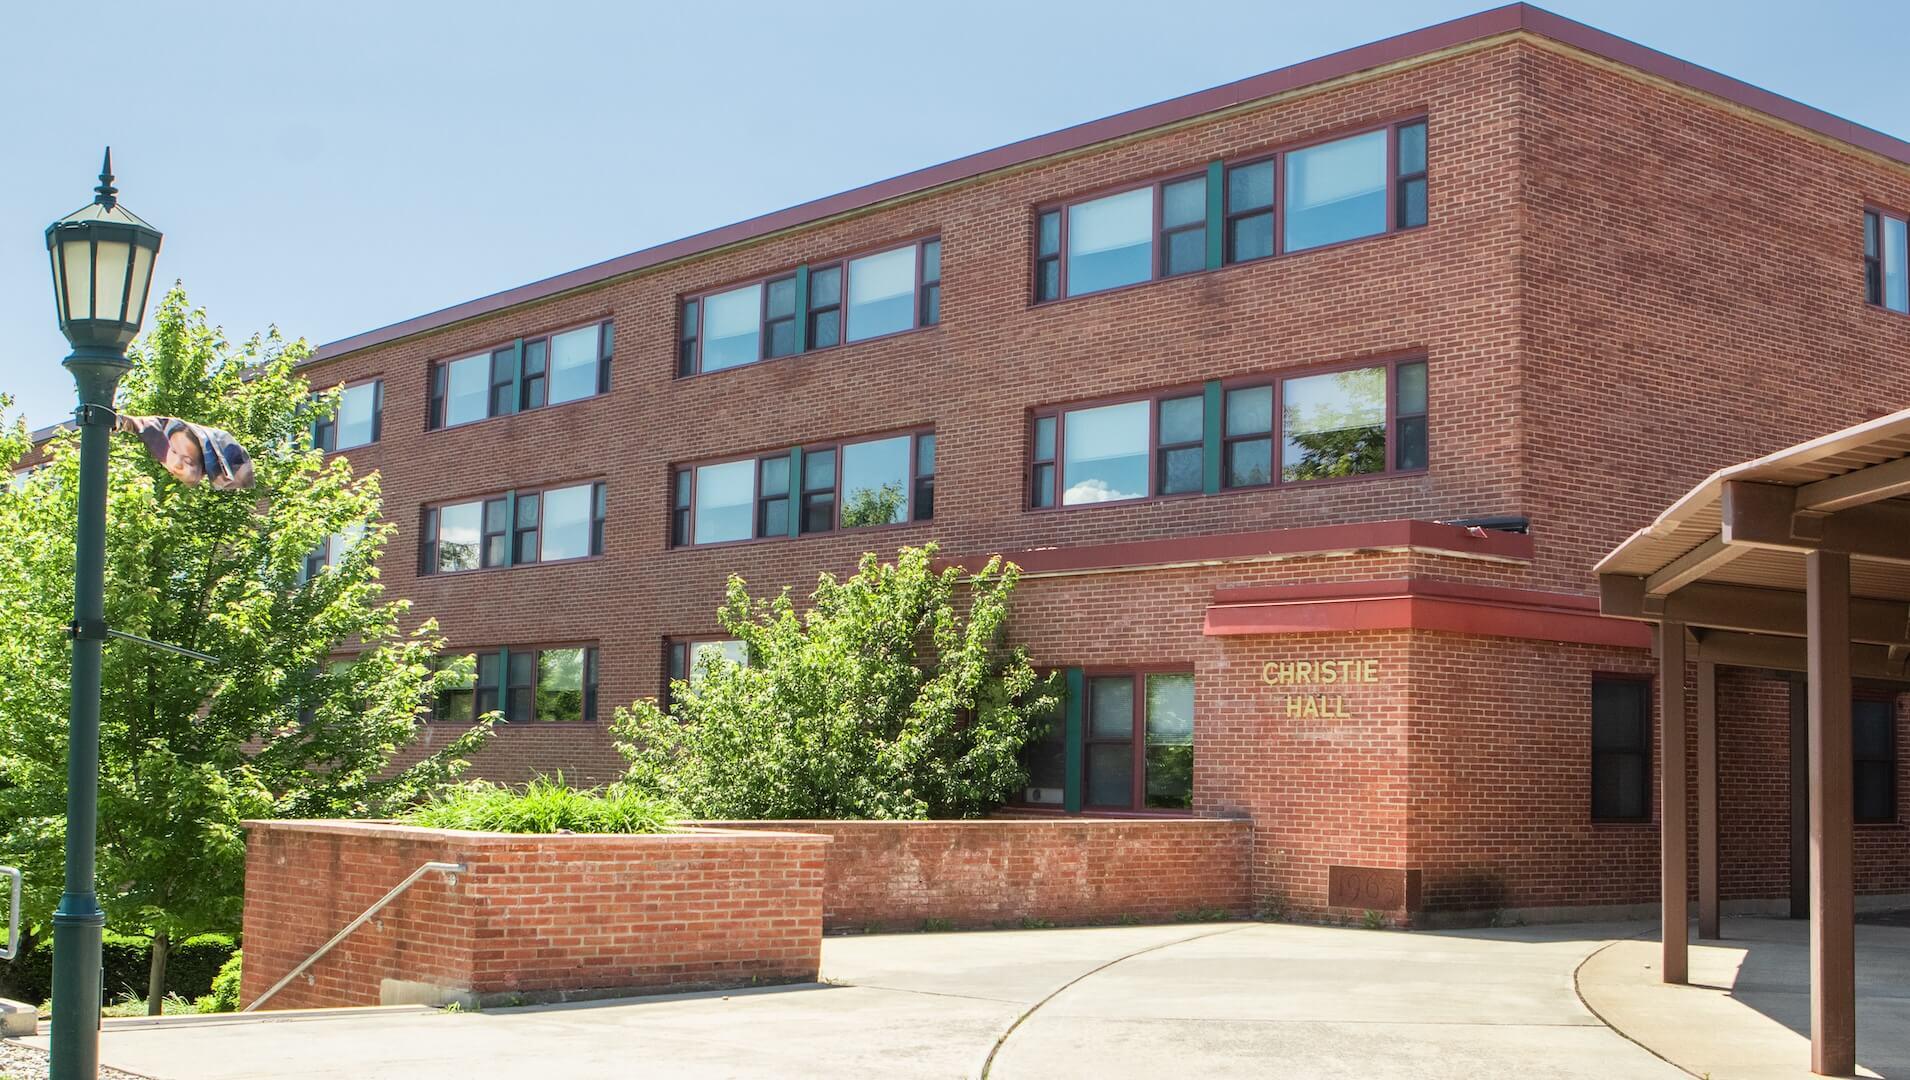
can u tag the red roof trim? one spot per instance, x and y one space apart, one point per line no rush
1460 31
1419 604
1396 535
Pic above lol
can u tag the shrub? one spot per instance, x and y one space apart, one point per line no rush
225 988
545 805
891 693
191 966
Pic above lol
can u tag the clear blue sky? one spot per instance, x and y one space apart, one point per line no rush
335 167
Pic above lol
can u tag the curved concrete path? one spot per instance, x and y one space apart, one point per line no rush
1205 1000
1746 1013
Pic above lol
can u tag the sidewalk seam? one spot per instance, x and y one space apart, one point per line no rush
988 1062
1579 992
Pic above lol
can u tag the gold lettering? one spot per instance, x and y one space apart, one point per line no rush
1372 670
1293 708
1303 671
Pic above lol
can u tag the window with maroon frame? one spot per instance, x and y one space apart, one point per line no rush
1290 200
529 373
812 307
1354 421
358 420
1887 260
1138 748
545 684
514 528
885 480
688 661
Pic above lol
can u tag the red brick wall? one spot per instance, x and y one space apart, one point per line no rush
1621 288
538 915
895 875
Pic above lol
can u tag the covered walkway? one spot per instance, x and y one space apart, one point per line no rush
1798 560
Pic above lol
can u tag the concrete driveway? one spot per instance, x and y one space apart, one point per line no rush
1206 1000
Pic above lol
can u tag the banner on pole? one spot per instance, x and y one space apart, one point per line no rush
192 452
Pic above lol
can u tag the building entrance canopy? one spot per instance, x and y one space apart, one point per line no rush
1799 560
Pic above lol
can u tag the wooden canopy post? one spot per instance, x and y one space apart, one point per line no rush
1674 811
1708 801
1832 902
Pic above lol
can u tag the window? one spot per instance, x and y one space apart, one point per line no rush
332 551
1248 438
1621 748
883 481
1336 424
513 529
1873 743
546 685
1886 248
692 659
1046 760
357 422
1292 200
456 699
1112 241
815 307
1104 453
1250 211
529 373
1139 738
1335 191
1331 424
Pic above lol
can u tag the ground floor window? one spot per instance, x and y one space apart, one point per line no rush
1125 742
1873 744
1621 748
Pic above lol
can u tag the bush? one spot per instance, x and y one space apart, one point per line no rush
544 806
892 693
190 967
225 988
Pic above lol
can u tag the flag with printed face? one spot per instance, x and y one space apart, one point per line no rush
191 452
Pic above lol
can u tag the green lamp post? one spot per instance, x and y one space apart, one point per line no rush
102 256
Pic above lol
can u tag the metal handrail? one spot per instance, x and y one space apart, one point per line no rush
13 916
442 867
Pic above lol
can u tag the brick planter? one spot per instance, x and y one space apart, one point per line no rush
898 874
536 917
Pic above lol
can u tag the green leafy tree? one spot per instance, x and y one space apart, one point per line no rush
316 689
1341 432
891 695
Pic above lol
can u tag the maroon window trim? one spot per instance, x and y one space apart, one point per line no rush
683 488
691 308
1877 265
1045 476
1137 737
438 374
496 696
1395 209
512 498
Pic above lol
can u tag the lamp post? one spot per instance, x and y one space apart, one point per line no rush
102 256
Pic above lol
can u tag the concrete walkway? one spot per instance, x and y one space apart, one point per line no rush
1746 1013
1209 1001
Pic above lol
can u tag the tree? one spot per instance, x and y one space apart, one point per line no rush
884 699
316 689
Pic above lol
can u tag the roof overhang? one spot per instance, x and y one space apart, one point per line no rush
1728 559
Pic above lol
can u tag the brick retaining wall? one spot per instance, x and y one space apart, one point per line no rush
540 916
897 874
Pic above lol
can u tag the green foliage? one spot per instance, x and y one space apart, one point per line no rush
1373 920
937 926
190 967
1204 914
544 806
1035 922
883 699
875 506
225 987
281 727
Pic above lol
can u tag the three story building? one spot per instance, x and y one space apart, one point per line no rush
1305 403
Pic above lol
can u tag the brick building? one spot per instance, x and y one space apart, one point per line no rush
1306 403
